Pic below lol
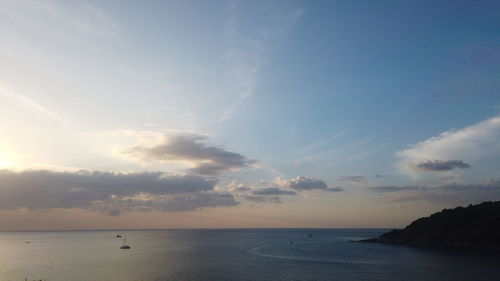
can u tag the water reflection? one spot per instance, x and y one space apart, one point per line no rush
230 255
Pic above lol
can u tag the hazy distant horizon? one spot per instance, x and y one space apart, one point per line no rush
215 229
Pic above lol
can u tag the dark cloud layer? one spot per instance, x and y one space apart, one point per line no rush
392 188
357 179
207 159
262 198
335 189
273 191
198 200
457 193
114 192
440 165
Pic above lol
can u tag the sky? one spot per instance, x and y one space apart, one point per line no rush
222 114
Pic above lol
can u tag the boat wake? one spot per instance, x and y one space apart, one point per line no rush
257 251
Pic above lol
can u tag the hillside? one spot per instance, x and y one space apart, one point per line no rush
473 227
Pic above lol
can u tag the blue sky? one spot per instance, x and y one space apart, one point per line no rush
267 113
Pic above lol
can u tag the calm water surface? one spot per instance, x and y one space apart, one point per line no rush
184 255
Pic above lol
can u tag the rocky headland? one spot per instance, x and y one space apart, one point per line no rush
476 227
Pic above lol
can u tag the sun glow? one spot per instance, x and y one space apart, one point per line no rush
6 158
5 162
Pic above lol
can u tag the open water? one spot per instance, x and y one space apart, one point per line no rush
243 254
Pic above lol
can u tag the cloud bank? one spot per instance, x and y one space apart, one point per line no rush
109 192
455 193
272 193
113 193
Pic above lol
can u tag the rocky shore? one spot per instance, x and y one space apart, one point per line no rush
476 227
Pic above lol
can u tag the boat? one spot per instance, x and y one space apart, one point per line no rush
118 236
125 246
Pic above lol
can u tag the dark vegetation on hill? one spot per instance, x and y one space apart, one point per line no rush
474 227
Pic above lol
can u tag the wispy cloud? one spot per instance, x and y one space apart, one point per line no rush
36 108
245 60
320 143
246 52
56 18
350 147
356 179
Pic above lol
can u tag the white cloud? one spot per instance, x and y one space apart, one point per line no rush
303 183
468 144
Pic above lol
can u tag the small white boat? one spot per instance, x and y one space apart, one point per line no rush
125 246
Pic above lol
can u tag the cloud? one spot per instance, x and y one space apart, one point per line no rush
301 183
262 198
378 176
320 143
453 192
357 179
246 51
57 19
197 200
205 159
179 203
273 191
241 189
356 147
335 189
472 143
32 105
393 188
440 165
258 195
108 191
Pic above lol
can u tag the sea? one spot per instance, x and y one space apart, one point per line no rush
231 254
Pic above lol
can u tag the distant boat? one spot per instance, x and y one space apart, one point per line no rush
118 236
125 246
